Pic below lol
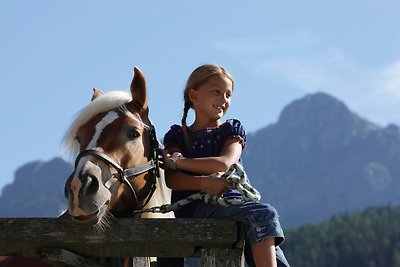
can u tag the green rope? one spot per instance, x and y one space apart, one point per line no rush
249 193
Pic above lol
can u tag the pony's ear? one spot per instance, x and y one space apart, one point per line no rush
96 93
138 90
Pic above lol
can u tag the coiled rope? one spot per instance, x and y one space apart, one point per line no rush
240 182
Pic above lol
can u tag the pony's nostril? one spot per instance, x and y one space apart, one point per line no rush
90 184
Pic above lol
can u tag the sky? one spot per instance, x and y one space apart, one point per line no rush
52 53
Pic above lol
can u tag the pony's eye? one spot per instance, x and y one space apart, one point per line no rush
133 134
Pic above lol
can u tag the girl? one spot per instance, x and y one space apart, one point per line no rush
196 157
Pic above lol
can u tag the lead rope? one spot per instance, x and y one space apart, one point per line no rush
240 182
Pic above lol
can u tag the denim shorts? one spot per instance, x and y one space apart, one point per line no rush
260 221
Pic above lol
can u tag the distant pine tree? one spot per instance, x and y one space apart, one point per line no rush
369 239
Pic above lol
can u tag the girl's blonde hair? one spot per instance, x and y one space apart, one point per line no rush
196 79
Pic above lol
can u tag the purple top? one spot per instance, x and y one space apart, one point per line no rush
205 143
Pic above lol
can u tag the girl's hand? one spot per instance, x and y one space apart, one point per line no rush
169 161
214 185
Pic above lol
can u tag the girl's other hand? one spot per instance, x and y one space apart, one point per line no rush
214 185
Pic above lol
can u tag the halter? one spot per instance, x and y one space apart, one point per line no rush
153 165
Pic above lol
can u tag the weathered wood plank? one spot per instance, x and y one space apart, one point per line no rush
125 237
62 258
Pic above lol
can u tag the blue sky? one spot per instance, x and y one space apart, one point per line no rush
52 53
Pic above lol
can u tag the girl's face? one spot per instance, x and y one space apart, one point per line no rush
211 100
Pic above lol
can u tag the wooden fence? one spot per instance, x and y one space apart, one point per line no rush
65 243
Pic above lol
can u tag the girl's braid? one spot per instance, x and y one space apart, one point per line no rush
185 112
188 141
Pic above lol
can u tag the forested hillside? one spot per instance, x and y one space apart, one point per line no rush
368 239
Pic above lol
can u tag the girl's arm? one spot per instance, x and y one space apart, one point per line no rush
211 167
211 184
230 154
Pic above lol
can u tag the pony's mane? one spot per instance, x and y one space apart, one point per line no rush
102 103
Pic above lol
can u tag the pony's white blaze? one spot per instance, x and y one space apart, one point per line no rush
76 185
106 120
101 104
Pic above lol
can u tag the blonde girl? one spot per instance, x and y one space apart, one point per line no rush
197 155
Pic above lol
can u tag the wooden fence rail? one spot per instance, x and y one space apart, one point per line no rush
216 242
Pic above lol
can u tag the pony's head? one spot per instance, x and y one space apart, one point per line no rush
116 149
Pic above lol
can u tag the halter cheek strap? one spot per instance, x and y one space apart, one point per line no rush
123 172
122 177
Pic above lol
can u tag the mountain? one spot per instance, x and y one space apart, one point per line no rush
37 190
321 158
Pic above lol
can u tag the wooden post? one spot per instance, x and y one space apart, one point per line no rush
222 257
225 257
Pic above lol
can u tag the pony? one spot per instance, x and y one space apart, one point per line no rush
117 168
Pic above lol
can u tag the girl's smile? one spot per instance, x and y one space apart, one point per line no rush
220 108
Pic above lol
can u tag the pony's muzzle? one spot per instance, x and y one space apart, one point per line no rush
85 191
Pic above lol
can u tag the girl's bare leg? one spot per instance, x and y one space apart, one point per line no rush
264 253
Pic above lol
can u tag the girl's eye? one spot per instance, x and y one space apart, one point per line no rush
133 134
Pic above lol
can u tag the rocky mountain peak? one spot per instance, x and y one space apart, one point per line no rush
318 111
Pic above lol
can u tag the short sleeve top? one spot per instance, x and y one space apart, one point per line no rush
204 143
